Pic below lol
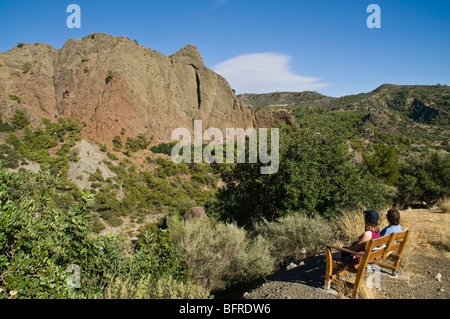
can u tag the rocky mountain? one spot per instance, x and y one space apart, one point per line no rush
118 87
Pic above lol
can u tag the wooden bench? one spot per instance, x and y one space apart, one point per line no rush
377 251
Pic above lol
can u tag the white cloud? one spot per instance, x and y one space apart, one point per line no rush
265 72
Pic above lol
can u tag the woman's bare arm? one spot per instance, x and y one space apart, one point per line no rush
362 240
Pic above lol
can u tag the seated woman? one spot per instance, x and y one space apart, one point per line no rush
393 217
372 231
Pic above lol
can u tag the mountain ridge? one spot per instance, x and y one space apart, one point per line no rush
120 88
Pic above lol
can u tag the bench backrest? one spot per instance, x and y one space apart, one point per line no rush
381 247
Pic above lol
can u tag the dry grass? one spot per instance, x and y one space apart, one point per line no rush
444 204
349 225
148 288
430 230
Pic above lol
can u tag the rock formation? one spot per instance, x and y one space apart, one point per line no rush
196 212
120 88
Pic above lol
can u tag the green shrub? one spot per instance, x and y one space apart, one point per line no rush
295 236
163 148
97 176
38 242
155 255
220 255
19 120
109 77
184 204
112 156
115 222
117 142
136 144
5 127
9 157
14 98
26 67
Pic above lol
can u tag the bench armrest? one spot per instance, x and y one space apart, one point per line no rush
345 250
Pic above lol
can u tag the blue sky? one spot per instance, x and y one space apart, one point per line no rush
262 45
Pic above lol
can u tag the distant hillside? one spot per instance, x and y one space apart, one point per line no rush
284 99
408 116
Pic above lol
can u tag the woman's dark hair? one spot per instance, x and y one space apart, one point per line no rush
393 216
370 225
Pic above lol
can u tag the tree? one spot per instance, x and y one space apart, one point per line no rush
316 176
19 120
424 178
383 163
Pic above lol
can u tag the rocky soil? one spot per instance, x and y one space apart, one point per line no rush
423 274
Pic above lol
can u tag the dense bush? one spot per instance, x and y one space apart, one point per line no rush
220 255
117 143
424 177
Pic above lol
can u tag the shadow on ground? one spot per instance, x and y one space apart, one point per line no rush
310 272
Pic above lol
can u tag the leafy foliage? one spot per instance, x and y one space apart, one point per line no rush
316 176
383 163
424 177
38 243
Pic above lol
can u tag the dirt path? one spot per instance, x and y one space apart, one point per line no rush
423 274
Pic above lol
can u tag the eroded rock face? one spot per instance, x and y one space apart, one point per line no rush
117 86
